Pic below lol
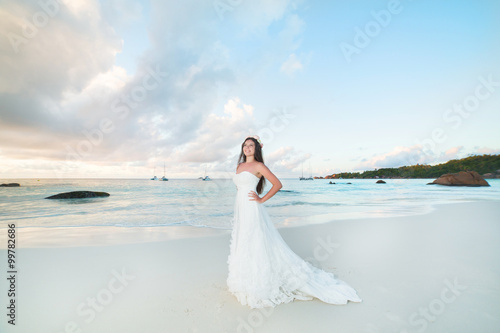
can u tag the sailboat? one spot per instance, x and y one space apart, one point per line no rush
205 177
310 174
165 179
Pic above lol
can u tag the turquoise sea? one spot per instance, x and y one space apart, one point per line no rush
209 204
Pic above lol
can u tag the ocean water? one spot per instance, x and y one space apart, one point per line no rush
209 204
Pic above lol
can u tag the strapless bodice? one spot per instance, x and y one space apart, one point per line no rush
245 181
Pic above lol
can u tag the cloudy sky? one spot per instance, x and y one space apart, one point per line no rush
114 88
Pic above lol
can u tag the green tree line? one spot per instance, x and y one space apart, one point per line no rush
482 164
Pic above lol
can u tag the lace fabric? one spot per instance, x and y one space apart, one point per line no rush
263 270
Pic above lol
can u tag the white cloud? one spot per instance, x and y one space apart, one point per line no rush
487 151
290 39
257 15
60 55
291 65
286 159
394 157
219 135
406 156
291 35
450 154
122 12
64 81
400 156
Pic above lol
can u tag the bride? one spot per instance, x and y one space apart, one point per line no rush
263 270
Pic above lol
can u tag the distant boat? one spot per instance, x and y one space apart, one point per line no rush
310 176
165 179
205 177
154 170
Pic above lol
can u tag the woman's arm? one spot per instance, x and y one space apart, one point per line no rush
264 171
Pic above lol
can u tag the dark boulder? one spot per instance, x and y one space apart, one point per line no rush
10 185
380 182
462 178
78 195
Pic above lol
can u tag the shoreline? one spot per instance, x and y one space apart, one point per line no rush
80 236
437 272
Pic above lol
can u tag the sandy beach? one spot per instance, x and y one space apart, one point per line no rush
437 272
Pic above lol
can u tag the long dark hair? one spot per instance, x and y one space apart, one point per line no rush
258 157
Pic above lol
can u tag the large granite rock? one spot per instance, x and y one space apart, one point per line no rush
380 182
463 178
78 195
10 185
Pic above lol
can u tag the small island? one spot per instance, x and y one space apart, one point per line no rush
486 165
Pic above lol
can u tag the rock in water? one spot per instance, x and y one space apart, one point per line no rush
78 195
10 185
380 182
463 178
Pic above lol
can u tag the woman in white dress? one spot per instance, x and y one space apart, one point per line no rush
263 270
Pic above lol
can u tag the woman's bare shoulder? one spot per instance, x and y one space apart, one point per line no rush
260 165
261 168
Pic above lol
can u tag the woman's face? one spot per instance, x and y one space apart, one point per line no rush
249 148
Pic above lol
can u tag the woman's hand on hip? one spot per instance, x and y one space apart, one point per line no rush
254 197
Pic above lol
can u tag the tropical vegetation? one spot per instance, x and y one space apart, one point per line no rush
483 164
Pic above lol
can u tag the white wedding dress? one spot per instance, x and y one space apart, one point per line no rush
263 270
